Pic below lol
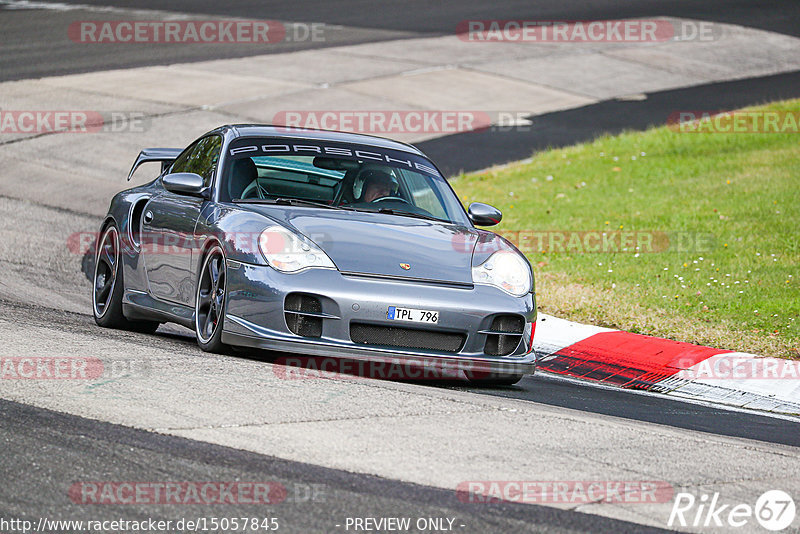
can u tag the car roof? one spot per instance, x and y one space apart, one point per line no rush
266 130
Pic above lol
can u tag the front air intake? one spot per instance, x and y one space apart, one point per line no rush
303 315
504 335
408 338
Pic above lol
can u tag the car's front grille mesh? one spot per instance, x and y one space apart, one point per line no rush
506 334
410 338
298 304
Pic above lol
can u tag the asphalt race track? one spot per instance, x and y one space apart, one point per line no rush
345 447
38 45
317 499
45 452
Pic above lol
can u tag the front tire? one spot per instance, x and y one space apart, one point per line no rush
108 286
210 301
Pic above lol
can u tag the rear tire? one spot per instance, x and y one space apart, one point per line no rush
210 301
108 286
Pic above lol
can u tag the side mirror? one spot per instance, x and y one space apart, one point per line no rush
484 214
185 183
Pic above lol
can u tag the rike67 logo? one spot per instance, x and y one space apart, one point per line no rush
774 510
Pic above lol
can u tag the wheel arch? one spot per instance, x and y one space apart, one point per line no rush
208 244
108 221
213 343
95 248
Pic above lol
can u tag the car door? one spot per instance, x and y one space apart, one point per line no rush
168 226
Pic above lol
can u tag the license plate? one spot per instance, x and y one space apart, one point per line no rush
412 315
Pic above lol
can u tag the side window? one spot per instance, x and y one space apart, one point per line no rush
200 159
423 193
207 158
181 164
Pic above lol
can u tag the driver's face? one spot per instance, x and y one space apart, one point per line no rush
376 190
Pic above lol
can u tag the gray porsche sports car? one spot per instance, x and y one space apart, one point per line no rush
319 243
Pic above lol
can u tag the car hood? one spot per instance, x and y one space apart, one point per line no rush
382 244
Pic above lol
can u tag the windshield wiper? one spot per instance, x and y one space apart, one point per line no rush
403 213
289 202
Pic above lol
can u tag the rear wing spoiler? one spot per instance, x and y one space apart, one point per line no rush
165 155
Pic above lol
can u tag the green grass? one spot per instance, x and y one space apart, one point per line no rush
739 192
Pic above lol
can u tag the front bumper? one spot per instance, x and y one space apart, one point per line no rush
255 316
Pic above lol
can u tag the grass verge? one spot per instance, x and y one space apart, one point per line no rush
702 233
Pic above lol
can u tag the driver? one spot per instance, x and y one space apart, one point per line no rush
377 184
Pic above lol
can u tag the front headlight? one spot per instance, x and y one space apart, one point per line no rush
507 270
287 252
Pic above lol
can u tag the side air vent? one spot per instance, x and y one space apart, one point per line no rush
504 335
303 315
135 222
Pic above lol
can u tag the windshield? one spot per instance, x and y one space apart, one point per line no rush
339 176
